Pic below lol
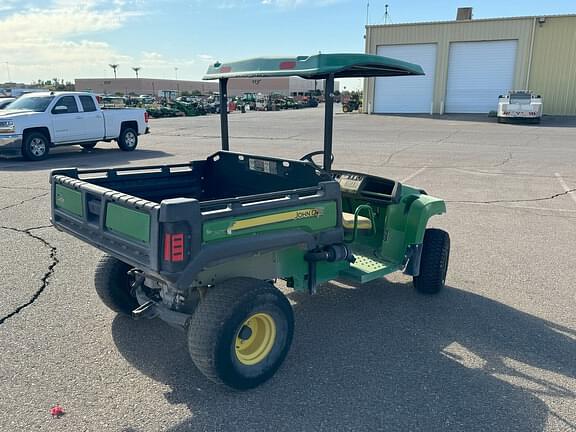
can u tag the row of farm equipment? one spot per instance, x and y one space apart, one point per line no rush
190 106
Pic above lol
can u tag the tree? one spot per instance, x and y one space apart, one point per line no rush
114 66
136 69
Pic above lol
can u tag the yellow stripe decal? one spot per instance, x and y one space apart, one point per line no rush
275 218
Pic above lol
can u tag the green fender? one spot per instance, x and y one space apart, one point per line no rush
419 212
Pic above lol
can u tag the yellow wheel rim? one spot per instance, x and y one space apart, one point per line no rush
255 339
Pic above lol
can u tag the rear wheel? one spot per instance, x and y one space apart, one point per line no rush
112 284
241 333
128 139
434 262
35 146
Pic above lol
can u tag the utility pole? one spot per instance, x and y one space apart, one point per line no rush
177 83
114 67
368 12
136 69
8 72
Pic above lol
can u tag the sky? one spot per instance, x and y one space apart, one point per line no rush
67 39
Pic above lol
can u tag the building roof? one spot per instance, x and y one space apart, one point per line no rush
472 20
314 67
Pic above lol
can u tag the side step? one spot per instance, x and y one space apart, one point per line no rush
368 268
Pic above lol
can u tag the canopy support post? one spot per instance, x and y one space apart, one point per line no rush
328 121
224 113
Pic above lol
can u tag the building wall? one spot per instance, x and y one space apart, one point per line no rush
239 86
143 85
553 66
236 86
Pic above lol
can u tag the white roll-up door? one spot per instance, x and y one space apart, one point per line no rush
478 72
406 94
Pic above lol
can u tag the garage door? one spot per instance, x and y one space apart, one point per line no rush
406 94
477 73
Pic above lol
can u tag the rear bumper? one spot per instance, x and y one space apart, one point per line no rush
11 145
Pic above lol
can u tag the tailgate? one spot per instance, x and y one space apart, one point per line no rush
119 224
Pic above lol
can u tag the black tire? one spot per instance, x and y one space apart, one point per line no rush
112 284
88 146
434 262
128 139
217 325
35 146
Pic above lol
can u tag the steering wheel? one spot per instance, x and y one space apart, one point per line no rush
308 158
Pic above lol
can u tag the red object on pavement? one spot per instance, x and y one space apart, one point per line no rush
57 411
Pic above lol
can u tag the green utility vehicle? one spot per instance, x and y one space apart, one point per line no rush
201 244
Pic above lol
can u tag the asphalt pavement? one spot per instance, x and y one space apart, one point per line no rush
495 351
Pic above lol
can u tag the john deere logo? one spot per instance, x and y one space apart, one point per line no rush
308 213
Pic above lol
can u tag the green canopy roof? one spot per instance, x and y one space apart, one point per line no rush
315 67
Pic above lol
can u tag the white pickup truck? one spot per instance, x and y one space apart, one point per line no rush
35 122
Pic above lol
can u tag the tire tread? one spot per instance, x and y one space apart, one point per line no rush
216 308
434 259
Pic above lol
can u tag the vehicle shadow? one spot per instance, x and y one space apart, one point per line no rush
379 357
72 156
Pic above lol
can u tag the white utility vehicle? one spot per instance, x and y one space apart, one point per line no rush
35 122
519 106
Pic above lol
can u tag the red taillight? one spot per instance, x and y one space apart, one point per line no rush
174 247
146 116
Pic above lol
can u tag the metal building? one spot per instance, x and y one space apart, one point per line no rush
469 63
287 86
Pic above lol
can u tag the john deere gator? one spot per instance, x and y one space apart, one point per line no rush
201 244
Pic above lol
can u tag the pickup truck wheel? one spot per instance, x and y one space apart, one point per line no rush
35 146
128 139
241 332
434 262
88 146
113 285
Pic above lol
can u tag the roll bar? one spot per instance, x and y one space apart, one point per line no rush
328 118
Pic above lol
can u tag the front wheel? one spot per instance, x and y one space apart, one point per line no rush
35 146
128 139
241 333
434 262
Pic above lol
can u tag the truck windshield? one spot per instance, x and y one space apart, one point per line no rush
33 103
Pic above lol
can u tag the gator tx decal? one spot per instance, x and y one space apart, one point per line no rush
293 215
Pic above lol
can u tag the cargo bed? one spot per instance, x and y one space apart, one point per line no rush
173 219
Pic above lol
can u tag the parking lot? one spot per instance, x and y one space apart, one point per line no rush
495 351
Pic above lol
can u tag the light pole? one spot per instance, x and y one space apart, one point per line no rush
114 67
177 83
136 69
8 72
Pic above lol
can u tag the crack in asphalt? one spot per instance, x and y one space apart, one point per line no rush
23 188
504 161
24 201
551 197
45 279
391 155
290 138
